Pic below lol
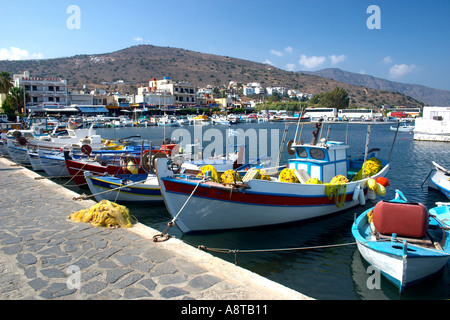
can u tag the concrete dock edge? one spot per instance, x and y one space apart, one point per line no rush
38 244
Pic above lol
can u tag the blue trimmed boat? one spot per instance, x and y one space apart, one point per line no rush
198 204
136 188
413 243
440 178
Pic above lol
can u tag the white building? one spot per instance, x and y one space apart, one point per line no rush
253 88
281 90
184 93
158 98
43 90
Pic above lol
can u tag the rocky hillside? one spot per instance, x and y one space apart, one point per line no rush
422 93
137 64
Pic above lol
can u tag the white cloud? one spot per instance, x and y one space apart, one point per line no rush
268 62
138 39
277 53
311 62
290 67
288 49
14 53
387 60
337 59
362 71
400 70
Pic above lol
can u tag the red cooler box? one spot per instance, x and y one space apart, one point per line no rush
405 219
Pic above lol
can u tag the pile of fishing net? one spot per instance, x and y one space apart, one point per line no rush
230 177
336 190
262 175
372 167
214 175
288 175
313 181
104 214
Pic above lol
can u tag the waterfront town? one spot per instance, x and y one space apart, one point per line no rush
53 96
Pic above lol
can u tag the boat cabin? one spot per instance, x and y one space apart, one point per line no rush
323 161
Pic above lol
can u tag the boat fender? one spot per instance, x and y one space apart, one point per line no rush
381 190
371 194
132 167
356 193
362 199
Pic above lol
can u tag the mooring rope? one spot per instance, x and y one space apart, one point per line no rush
236 251
164 235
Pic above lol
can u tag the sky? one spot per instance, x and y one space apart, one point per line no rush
400 40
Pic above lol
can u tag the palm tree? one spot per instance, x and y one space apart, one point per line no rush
16 98
5 82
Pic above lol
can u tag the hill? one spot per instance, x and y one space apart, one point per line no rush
422 93
137 64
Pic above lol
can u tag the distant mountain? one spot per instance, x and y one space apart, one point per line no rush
422 93
138 64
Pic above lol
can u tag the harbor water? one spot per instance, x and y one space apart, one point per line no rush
336 271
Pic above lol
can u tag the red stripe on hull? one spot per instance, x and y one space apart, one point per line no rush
248 197
76 170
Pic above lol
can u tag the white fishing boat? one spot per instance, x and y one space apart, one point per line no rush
135 188
200 204
74 139
404 241
53 164
200 120
440 179
168 121
403 128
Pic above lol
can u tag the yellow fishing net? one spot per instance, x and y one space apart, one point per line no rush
262 175
214 175
336 190
104 214
373 166
229 176
313 181
288 175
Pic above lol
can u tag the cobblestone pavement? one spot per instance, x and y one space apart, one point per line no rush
44 255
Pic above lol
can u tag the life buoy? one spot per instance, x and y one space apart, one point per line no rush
289 147
145 162
86 149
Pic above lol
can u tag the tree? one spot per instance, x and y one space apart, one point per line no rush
5 82
337 98
14 99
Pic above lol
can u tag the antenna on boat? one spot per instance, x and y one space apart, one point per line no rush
392 146
366 152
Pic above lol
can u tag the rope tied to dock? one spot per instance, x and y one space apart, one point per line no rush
164 235
236 251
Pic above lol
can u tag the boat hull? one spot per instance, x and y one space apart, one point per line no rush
53 165
114 189
76 170
216 207
402 271
18 154
402 264
441 182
